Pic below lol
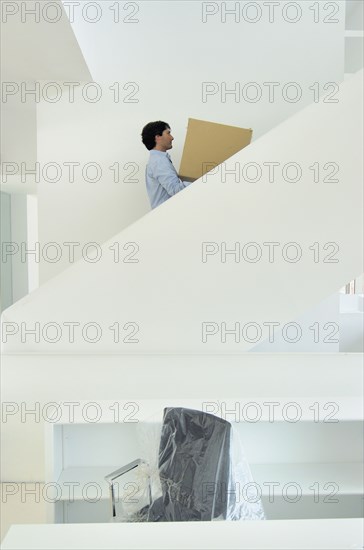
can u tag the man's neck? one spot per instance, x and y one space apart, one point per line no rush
159 148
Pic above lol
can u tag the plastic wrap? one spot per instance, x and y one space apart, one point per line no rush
196 471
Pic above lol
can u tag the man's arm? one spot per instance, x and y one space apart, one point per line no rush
167 177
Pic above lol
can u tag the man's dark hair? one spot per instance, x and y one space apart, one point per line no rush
151 130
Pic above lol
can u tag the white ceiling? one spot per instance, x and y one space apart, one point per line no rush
40 50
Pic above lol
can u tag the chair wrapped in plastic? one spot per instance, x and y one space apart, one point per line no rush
202 472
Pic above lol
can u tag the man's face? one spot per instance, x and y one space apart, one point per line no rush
164 142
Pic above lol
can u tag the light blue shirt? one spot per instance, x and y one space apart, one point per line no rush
161 178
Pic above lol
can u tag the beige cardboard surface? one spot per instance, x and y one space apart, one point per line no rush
208 144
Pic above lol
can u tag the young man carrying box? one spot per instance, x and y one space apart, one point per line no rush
162 180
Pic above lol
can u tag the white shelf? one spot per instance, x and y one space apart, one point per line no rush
348 476
130 411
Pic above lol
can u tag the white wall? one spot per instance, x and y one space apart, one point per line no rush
32 238
167 289
6 267
317 330
34 47
82 211
351 322
354 14
18 235
168 54
19 131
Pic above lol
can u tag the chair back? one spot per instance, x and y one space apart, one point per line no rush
194 465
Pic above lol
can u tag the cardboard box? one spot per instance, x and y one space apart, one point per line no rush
208 144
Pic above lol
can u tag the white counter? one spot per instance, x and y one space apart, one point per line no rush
275 535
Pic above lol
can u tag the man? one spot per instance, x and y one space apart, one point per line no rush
162 180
